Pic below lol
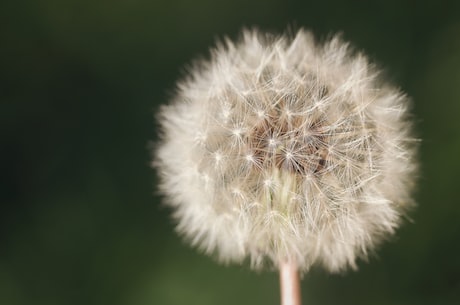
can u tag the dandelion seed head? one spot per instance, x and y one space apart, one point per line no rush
280 148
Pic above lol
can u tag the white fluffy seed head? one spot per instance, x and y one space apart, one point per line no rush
279 148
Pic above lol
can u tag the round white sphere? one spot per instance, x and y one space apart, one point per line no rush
279 148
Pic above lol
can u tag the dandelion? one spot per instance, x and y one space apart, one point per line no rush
287 153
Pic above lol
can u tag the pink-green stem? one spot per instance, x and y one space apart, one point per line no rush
290 283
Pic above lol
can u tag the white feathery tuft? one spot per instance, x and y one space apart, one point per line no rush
281 148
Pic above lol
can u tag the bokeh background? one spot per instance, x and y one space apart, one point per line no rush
80 82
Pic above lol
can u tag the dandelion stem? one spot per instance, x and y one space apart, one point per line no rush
290 283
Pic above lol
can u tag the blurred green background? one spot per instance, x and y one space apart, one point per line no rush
79 85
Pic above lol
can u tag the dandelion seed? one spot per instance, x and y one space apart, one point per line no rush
328 141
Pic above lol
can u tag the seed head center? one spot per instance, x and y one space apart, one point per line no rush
289 142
